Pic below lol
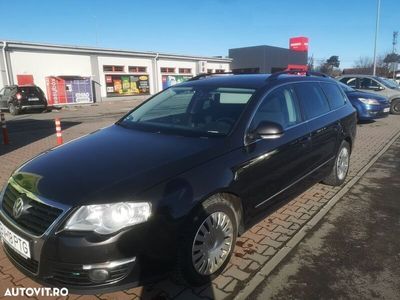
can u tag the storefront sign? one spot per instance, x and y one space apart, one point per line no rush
127 85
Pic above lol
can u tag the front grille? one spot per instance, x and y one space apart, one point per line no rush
37 216
78 277
29 264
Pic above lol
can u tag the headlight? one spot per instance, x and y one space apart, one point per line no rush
369 101
109 218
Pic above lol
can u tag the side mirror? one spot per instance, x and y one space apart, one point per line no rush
379 88
269 130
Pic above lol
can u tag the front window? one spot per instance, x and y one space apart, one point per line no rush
368 84
204 111
280 106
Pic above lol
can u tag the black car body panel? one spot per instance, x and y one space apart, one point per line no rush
175 172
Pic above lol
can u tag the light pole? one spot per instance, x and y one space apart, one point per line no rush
376 33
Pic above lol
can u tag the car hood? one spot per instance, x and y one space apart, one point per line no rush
359 94
113 164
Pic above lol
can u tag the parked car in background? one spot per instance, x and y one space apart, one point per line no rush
175 181
369 106
376 85
22 98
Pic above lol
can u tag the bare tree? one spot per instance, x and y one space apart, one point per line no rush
364 65
363 62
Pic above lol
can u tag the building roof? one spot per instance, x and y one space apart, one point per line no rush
105 51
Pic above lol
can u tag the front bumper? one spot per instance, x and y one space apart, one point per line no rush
371 112
31 106
62 261
131 257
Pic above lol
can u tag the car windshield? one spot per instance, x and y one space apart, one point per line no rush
198 110
346 88
388 83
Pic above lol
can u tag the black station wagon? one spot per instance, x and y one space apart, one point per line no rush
173 183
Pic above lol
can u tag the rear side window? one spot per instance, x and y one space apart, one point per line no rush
350 81
312 99
335 96
368 84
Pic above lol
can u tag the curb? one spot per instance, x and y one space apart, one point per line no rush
263 273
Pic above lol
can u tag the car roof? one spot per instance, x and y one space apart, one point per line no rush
13 86
357 75
251 81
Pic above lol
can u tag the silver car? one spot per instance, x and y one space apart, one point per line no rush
377 85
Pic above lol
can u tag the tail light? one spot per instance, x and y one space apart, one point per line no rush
19 96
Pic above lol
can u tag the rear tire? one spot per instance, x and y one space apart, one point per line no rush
341 167
207 242
13 110
395 107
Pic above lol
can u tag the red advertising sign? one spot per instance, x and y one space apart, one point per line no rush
302 68
298 43
69 89
56 93
25 79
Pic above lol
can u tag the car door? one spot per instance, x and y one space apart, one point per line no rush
271 165
322 123
6 96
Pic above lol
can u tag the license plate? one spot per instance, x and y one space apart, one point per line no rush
33 99
387 109
16 242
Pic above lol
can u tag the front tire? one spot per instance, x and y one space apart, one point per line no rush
395 107
208 242
341 167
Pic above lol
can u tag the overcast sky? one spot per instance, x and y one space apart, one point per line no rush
208 27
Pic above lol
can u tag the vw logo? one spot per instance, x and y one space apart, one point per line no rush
18 207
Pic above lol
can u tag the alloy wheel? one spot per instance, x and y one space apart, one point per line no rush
342 164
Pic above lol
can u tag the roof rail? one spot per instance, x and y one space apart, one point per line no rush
297 72
204 75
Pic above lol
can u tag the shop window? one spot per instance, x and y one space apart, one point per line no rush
209 71
136 69
167 70
185 71
113 68
219 71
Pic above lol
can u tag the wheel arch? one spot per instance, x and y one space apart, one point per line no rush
349 140
232 198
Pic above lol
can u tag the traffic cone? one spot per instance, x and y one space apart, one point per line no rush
4 129
58 131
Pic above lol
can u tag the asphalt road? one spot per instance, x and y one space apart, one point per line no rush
355 252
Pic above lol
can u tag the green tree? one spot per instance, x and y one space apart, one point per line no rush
333 61
392 58
330 66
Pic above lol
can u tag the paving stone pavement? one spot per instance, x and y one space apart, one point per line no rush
253 249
